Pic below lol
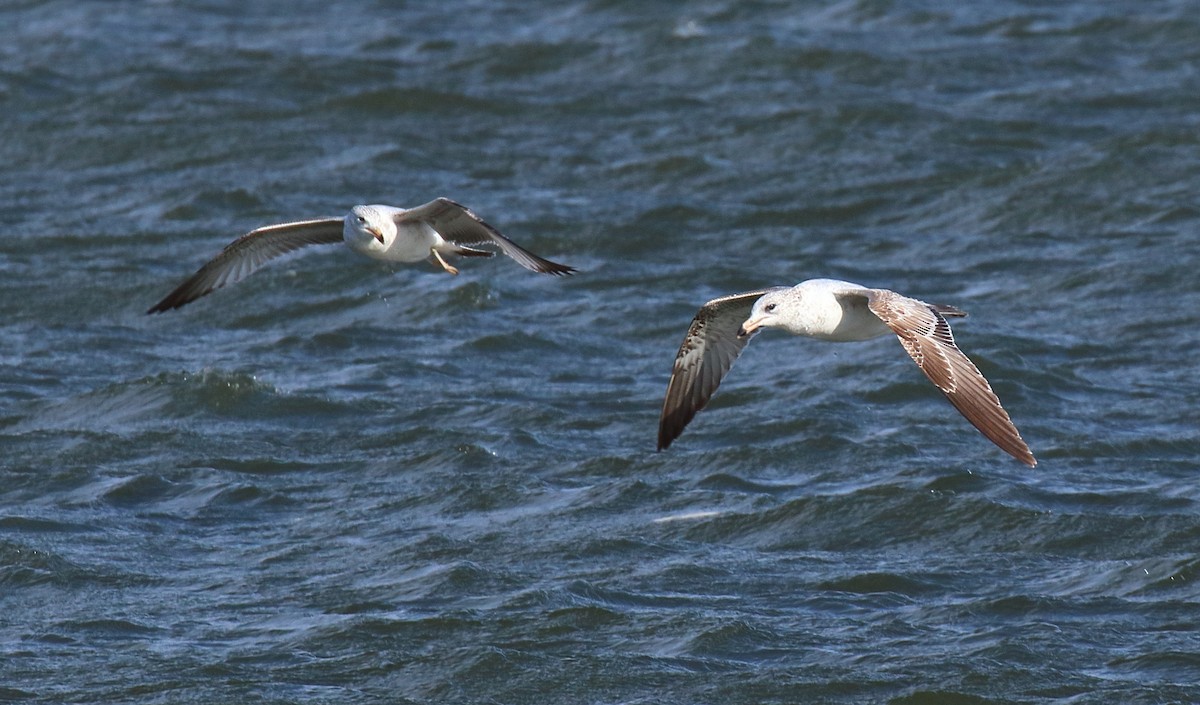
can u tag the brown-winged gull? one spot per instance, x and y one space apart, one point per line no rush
838 311
434 231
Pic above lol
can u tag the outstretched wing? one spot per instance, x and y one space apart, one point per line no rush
458 224
926 337
244 255
708 351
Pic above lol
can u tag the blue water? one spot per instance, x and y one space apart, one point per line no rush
344 481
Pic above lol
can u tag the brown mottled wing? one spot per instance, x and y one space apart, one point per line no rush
708 351
249 252
926 336
458 224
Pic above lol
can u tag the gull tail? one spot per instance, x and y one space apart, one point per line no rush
949 311
464 251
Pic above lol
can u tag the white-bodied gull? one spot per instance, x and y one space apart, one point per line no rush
434 231
838 311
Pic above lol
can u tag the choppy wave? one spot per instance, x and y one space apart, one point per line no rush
340 480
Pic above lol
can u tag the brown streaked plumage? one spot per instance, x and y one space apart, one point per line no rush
708 351
837 311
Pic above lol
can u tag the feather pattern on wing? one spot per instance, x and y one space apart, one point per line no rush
243 256
926 337
459 224
708 352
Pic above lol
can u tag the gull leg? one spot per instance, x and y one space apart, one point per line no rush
438 256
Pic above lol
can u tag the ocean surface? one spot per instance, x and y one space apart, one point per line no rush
341 481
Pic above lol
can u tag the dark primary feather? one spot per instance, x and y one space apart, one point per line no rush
243 256
458 224
707 353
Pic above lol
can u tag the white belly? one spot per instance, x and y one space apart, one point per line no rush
857 324
412 242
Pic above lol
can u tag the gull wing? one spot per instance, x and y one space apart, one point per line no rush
244 255
926 337
458 224
708 351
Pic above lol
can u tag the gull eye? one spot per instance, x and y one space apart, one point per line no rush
770 308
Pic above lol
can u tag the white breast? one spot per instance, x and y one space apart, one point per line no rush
838 319
412 243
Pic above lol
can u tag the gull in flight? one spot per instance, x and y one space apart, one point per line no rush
434 231
837 311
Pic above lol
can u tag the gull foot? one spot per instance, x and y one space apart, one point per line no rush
438 256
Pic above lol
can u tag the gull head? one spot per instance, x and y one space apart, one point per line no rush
794 309
365 223
767 312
